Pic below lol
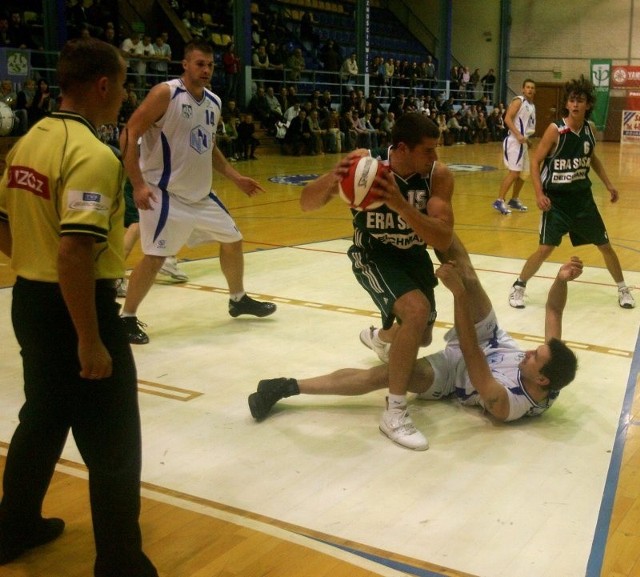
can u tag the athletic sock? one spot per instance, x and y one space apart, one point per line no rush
397 401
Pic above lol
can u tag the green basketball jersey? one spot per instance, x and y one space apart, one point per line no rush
566 169
382 228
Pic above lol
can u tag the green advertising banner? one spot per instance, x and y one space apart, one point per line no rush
601 76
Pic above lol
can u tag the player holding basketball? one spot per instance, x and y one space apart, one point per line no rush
172 184
481 364
520 119
389 255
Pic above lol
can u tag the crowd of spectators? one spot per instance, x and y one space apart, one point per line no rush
333 116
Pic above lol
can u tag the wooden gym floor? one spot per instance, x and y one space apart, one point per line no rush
315 490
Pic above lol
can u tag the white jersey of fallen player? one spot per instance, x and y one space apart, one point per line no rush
504 361
525 120
175 153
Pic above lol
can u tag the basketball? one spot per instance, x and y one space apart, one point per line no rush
355 187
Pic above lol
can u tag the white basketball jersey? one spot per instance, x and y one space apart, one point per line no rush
504 364
525 120
175 153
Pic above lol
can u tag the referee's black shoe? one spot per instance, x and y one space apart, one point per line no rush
135 334
248 306
13 545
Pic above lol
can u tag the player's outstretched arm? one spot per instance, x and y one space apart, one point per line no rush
493 394
557 298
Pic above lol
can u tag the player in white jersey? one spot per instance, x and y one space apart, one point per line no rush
520 119
481 364
171 178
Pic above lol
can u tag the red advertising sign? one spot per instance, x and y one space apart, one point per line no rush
625 77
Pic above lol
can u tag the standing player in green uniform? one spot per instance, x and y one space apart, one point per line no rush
560 173
61 224
390 259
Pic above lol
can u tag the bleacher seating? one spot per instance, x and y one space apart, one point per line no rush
335 21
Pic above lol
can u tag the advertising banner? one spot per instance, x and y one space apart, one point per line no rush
630 132
601 77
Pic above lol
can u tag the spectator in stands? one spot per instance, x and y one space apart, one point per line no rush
349 73
79 17
326 100
454 83
260 64
230 111
134 49
318 131
42 104
348 130
387 124
110 36
481 105
374 102
376 122
495 123
256 34
24 101
441 121
448 105
455 128
334 137
9 97
291 113
129 104
397 105
415 79
148 55
307 31
5 38
364 122
160 64
378 74
292 93
429 71
331 61
187 18
247 142
482 128
468 123
277 60
488 82
363 136
8 94
389 75
260 110
295 65
231 68
226 138
276 112
475 87
464 76
19 32
299 138
198 26
400 74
